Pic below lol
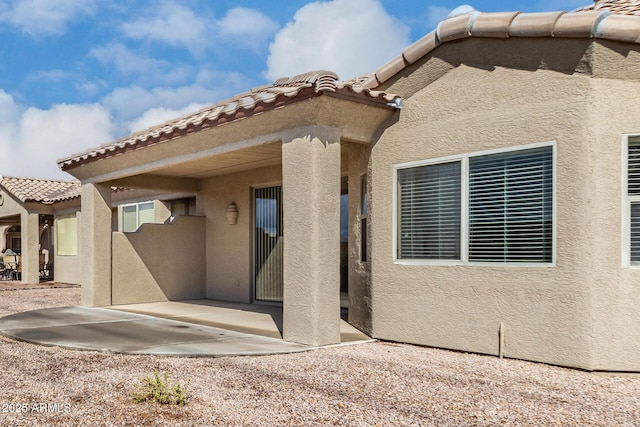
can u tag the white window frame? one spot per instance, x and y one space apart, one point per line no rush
464 206
137 206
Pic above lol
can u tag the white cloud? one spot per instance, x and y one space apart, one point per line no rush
176 25
51 75
9 116
159 115
436 14
34 139
9 109
125 61
144 68
129 103
170 24
45 17
350 37
247 27
90 88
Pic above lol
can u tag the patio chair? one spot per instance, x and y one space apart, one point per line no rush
45 271
11 265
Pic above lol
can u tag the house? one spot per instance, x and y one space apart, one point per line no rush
30 211
487 176
39 222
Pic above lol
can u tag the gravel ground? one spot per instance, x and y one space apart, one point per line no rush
375 384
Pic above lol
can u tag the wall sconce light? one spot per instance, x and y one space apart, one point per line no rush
232 214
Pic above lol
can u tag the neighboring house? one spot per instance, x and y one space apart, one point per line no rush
489 176
39 221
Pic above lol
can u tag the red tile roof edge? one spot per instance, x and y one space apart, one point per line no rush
583 23
258 100
45 191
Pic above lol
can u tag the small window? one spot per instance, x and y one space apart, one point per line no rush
67 235
133 216
504 216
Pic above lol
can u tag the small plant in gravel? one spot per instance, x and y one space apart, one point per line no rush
159 390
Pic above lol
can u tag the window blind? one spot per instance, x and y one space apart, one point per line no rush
633 169
510 206
129 219
635 232
633 189
67 235
146 213
429 213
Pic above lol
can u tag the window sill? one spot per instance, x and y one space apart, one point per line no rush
443 263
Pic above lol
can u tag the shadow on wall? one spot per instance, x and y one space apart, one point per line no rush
160 262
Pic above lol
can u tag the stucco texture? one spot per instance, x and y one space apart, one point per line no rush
229 247
485 95
160 262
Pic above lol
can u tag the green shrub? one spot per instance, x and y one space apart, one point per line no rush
159 390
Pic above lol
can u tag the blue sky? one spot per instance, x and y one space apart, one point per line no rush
78 73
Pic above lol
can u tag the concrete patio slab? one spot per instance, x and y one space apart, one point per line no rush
264 320
116 331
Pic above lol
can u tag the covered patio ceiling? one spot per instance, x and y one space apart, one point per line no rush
235 161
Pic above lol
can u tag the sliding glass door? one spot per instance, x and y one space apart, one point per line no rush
268 244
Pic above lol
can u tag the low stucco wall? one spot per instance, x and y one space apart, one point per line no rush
67 269
160 262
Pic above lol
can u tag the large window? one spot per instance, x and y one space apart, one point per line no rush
67 235
633 193
494 208
133 216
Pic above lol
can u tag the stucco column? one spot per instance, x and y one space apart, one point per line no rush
311 214
95 245
30 242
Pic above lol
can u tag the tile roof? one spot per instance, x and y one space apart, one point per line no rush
600 21
621 7
257 100
41 190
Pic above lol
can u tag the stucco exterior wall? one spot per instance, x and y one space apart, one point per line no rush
10 206
229 247
459 101
160 262
615 287
68 269
359 272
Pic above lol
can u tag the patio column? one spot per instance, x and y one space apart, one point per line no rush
311 214
95 244
30 247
